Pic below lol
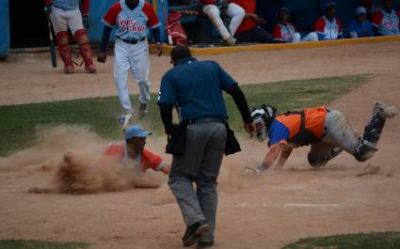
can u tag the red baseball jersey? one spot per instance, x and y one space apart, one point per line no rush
386 23
284 33
329 30
249 6
148 159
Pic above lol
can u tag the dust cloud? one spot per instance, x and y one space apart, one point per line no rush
72 157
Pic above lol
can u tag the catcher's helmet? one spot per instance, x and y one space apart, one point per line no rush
262 117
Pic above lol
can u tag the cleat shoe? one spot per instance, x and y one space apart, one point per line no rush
386 111
194 233
69 69
204 244
143 109
125 120
230 41
91 68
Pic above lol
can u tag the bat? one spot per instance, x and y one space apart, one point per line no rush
52 44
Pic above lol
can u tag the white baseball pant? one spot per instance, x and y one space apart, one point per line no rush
64 19
312 36
136 58
234 11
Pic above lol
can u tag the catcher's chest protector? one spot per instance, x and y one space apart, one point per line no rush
310 126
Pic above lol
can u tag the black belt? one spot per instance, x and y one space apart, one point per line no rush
203 120
133 42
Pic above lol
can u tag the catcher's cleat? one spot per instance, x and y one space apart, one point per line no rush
143 109
125 120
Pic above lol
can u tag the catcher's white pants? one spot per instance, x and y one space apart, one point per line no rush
312 36
64 19
136 58
234 11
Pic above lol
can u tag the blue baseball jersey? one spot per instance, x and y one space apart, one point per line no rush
278 133
131 24
361 29
196 88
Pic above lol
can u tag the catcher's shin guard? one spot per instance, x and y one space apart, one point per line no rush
86 52
372 133
65 51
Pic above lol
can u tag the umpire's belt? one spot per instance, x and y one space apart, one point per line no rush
133 42
203 120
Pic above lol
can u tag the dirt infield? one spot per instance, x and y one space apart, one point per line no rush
29 78
268 212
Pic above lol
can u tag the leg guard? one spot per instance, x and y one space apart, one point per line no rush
84 47
323 157
65 51
372 132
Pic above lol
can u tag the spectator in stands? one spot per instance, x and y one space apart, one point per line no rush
386 21
213 9
250 30
284 31
329 27
361 26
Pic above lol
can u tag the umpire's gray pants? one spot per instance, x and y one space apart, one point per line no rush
200 163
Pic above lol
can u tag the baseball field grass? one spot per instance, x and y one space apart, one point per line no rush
35 244
382 240
18 122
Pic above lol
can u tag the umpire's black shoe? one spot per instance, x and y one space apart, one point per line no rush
194 233
204 244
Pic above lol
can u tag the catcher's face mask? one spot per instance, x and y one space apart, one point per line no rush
261 116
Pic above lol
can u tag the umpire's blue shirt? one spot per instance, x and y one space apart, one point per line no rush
196 88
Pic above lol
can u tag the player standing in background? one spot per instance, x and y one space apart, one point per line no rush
132 19
213 8
328 27
284 31
250 30
386 20
326 130
65 14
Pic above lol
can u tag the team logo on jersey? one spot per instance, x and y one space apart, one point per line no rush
131 25
389 23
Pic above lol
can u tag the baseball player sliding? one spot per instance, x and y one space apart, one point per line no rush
64 15
132 19
326 130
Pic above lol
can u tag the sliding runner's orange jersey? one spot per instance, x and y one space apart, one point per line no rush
147 159
288 128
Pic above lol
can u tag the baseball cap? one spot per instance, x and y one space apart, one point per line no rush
330 4
135 131
360 10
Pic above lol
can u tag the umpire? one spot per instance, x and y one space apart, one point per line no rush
200 140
